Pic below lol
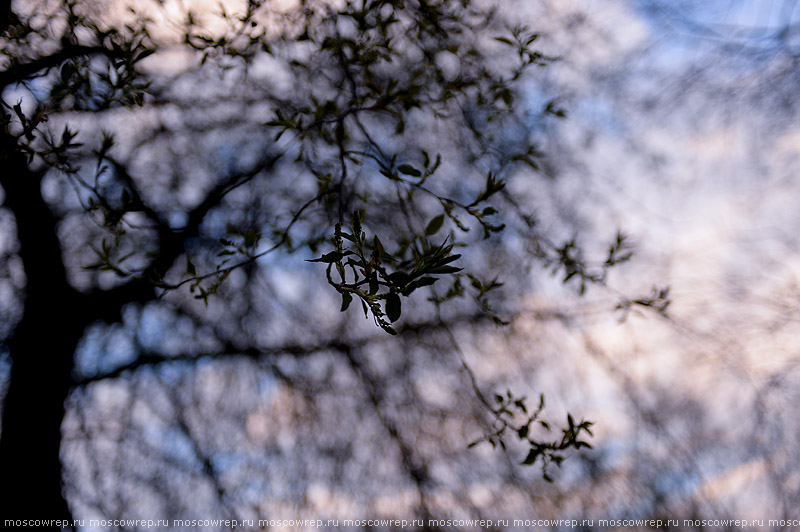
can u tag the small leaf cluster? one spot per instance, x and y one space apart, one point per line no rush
362 268
106 261
245 36
522 39
509 409
568 259
410 175
658 300
84 83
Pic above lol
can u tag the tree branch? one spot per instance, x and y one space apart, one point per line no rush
108 303
19 72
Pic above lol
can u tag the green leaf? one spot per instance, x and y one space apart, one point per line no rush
347 298
419 283
445 269
190 269
399 278
448 259
147 53
533 454
393 306
434 225
426 281
333 256
407 169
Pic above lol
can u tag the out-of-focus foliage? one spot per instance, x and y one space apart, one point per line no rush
287 196
686 124
221 181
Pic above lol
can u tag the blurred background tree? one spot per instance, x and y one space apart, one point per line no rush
190 359
168 168
681 116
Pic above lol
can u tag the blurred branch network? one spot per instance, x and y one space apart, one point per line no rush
213 216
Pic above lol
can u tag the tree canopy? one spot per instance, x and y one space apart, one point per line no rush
194 193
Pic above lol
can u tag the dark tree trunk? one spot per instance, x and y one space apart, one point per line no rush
42 348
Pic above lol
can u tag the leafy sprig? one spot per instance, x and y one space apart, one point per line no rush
511 415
